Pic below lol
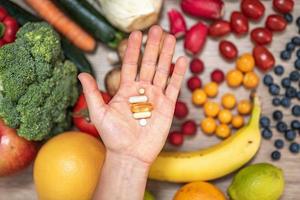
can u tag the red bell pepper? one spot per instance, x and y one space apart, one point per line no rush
8 27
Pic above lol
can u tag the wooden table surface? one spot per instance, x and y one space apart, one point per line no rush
20 186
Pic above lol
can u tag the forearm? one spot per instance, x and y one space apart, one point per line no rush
122 178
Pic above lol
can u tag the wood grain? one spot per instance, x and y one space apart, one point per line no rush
21 186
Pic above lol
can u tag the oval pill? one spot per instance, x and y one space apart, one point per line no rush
138 99
141 107
141 115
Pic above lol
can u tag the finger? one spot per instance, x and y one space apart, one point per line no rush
177 78
151 53
92 95
165 59
130 61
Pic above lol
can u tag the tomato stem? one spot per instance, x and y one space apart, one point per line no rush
2 29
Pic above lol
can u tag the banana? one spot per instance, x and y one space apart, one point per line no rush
213 162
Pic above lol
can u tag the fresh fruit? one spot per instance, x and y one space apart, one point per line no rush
16 152
261 181
219 28
267 133
261 36
264 59
199 97
195 38
194 83
189 127
294 147
274 89
213 162
228 50
228 101
268 80
225 116
290 135
81 118
245 63
276 155
239 23
217 76
148 196
253 9
211 89
276 23
199 191
64 163
211 109
113 80
177 23
279 70
283 6
197 66
208 125
244 107
277 115
251 80
237 121
296 110
279 143
285 55
223 131
288 17
234 78
176 138
281 126
264 122
181 110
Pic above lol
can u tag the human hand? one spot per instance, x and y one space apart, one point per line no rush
120 132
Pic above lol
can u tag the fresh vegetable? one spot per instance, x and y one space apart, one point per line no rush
131 15
194 83
261 36
219 28
92 21
283 6
177 23
81 118
8 27
16 152
122 48
189 127
148 195
253 9
195 38
264 59
217 76
181 110
48 10
211 89
239 23
210 9
70 51
228 50
112 81
276 23
38 86
199 97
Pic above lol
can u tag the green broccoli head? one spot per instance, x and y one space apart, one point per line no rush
36 95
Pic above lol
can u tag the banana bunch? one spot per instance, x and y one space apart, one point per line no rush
213 162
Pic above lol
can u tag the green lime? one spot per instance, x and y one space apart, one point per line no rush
148 196
259 181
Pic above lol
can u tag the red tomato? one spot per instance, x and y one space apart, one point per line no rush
81 118
264 59
239 23
253 9
219 28
261 36
276 23
283 6
228 50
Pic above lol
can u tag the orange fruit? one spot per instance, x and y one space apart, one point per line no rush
244 107
199 97
211 89
211 109
228 101
234 78
237 121
251 80
208 125
245 63
223 131
68 167
199 191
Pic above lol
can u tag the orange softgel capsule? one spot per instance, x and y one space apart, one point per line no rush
141 107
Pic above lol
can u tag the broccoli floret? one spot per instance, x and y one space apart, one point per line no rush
37 88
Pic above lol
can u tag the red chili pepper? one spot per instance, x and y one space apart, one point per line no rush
8 27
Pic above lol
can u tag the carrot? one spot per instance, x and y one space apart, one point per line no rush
48 10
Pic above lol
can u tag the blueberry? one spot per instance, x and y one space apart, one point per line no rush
298 22
281 126
274 89
277 115
294 75
294 147
290 46
288 17
296 40
295 124
279 70
267 133
279 144
290 135
298 53
296 110
264 122
276 101
286 82
285 55
268 79
291 92
286 102
275 155
297 63
298 95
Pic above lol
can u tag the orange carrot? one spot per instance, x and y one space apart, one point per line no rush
48 10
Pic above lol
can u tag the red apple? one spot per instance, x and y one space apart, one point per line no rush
16 153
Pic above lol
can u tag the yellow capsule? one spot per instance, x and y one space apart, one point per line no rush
225 116
141 107
237 121
223 131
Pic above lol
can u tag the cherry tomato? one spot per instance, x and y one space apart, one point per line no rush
283 6
253 9
228 50
239 23
264 59
276 23
261 36
219 28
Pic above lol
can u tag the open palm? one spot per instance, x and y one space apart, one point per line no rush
120 132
